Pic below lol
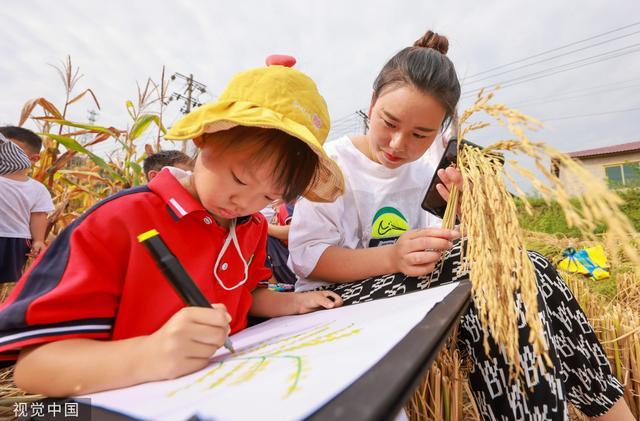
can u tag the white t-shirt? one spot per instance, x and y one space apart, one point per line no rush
18 199
379 204
268 212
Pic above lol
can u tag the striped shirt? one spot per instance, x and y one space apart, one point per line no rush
12 158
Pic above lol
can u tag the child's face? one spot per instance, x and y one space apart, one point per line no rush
33 156
228 186
404 124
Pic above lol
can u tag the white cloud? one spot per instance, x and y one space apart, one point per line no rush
340 44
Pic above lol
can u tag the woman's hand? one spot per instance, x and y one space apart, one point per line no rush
449 176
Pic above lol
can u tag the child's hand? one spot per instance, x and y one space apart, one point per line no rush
416 252
314 300
36 248
186 341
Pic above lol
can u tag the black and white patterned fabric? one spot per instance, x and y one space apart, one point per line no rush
12 158
580 374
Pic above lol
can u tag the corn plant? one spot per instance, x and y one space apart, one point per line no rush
76 176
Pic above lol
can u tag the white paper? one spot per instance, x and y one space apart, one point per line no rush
283 369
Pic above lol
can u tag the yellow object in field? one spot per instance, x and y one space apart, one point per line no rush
590 261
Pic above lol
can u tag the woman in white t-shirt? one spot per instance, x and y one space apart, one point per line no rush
376 242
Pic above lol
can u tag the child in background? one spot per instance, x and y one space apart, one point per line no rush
24 203
377 230
12 158
96 313
277 247
155 162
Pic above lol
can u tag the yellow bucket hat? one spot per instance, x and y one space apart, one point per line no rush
276 97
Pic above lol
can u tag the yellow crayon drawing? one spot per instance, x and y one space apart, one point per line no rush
250 362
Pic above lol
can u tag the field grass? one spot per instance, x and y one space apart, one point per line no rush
612 306
548 218
552 247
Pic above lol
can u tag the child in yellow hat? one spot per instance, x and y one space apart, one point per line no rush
96 313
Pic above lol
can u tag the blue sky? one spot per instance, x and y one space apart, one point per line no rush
341 44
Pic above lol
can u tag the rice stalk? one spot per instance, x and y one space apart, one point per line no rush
10 394
617 327
444 394
601 313
495 254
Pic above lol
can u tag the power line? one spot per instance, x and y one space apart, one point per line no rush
572 68
542 101
590 89
554 57
528 77
341 126
556 49
347 123
590 115
344 122
342 119
569 63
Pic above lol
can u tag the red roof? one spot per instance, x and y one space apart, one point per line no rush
607 150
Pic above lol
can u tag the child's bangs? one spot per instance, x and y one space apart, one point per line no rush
292 162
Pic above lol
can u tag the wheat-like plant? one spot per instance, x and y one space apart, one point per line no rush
495 253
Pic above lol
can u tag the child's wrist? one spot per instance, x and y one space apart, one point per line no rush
298 302
141 360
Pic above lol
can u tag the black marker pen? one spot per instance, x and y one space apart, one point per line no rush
176 274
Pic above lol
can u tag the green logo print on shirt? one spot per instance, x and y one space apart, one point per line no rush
388 222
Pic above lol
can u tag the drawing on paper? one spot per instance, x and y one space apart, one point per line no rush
285 368
248 363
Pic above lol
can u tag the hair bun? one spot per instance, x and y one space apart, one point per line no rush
439 43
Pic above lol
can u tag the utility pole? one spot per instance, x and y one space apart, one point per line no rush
79 160
187 96
365 120
93 116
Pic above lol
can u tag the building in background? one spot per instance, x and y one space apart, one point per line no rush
617 165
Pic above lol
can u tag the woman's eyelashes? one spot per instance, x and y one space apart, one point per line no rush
393 126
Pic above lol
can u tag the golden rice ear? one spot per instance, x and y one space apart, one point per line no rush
498 274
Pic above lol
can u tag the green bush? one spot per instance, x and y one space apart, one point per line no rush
549 218
631 206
